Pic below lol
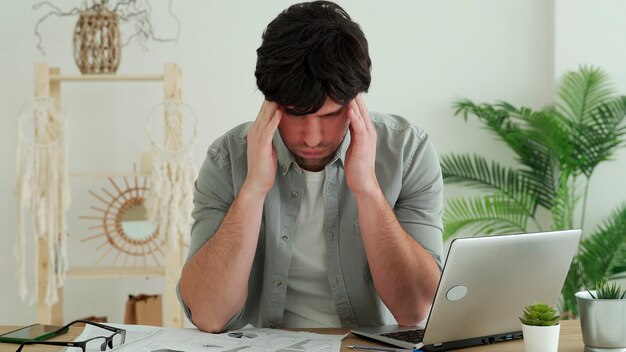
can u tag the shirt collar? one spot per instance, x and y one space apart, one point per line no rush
343 148
286 159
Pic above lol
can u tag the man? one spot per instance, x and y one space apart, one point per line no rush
319 213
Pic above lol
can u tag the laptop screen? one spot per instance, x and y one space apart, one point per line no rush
485 284
487 281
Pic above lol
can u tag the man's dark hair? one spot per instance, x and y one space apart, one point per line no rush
312 51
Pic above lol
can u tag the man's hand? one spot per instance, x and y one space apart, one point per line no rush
262 156
361 154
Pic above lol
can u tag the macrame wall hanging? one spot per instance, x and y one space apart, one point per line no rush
172 129
42 189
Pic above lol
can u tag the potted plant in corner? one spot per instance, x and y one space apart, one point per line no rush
558 149
603 317
541 328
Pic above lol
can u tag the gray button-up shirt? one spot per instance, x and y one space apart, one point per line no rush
408 171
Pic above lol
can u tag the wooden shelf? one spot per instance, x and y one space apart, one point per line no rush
48 84
107 77
115 272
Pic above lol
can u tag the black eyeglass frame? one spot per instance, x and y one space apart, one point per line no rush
80 344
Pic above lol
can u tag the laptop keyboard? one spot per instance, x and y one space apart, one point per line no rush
413 336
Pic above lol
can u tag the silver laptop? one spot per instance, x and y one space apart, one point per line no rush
485 284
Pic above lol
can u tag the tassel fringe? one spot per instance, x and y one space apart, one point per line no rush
42 189
170 199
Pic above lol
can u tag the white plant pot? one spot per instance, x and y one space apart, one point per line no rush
541 338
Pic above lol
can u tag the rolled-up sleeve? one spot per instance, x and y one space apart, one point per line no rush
213 195
419 207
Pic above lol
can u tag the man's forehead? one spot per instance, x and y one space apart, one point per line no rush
329 107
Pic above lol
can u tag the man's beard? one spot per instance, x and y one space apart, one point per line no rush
313 163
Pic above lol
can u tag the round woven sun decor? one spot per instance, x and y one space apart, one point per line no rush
97 44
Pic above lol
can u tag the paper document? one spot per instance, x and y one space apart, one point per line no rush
151 339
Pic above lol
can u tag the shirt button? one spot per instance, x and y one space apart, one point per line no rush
284 168
285 239
294 194
277 283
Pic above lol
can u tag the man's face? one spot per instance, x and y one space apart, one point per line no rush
313 139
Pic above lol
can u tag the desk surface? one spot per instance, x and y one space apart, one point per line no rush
570 340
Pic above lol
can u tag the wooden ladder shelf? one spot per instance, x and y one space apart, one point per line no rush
47 84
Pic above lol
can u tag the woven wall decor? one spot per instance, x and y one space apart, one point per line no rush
121 224
97 44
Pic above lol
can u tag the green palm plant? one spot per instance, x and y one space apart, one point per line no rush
558 149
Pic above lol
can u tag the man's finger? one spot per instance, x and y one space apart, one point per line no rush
270 110
360 102
270 128
357 124
265 113
262 110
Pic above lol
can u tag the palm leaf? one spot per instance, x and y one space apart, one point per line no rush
580 92
561 210
603 254
496 118
543 129
549 134
528 134
548 143
475 171
598 137
509 123
483 216
545 180
565 202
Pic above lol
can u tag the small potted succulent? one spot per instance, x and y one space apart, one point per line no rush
603 317
541 328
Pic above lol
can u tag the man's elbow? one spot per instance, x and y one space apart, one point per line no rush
414 318
212 326
211 320
203 318
409 320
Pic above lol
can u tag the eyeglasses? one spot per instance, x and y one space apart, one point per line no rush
98 343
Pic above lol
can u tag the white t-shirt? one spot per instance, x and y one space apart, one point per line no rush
309 300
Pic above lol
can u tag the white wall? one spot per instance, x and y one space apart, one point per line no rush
425 55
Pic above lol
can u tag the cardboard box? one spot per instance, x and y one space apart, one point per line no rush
144 310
